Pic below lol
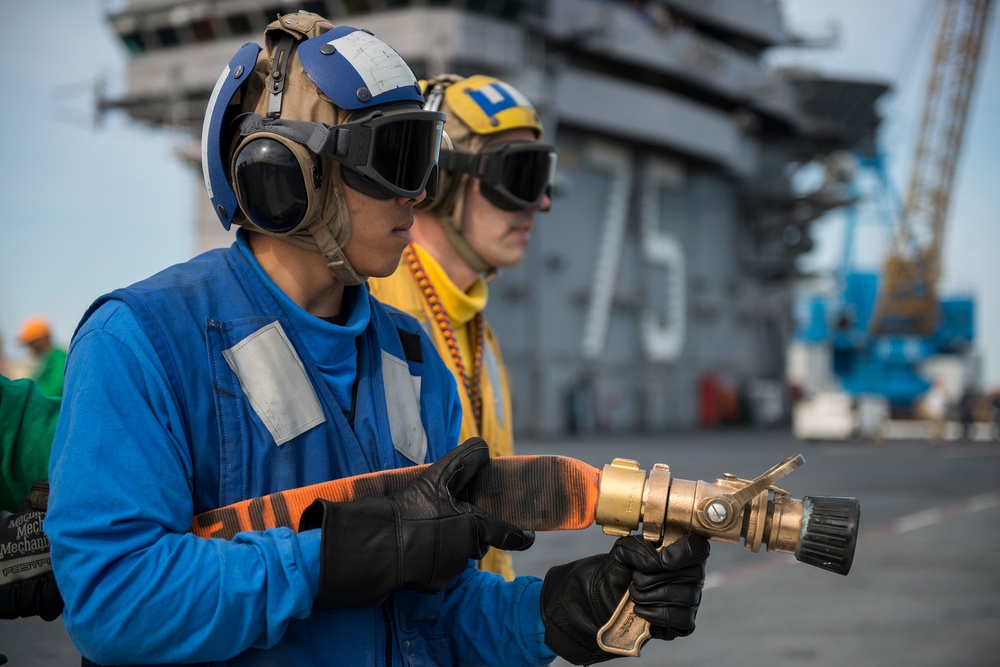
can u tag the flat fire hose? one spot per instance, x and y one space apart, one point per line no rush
531 492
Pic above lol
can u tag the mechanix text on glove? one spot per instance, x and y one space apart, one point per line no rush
27 585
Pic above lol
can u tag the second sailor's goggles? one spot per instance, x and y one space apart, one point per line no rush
513 176
384 154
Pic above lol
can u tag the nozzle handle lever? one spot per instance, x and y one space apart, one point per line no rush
625 632
765 480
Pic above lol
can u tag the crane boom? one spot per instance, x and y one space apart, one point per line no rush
908 301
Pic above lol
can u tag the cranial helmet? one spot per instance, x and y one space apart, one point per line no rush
513 175
320 106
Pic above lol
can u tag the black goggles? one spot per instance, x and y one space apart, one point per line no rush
384 155
513 176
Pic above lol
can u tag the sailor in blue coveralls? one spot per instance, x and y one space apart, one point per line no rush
268 366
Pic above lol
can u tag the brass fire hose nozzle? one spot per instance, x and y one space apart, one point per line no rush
820 531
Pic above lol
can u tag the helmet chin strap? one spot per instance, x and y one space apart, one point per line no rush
318 236
468 253
451 223
336 261
331 243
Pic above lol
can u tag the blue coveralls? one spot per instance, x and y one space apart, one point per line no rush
205 385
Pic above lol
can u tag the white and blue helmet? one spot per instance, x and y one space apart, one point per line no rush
320 106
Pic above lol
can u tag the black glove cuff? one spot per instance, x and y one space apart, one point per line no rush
359 559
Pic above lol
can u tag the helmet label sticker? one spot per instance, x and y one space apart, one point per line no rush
496 96
381 68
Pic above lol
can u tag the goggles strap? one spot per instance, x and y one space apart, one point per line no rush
455 161
317 137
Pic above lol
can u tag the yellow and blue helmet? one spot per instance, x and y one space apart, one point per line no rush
513 175
484 105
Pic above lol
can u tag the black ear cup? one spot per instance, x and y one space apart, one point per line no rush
270 185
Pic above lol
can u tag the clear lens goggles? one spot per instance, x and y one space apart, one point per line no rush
384 155
513 176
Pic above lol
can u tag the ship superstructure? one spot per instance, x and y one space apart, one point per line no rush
657 293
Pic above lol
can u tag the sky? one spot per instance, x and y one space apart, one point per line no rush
87 206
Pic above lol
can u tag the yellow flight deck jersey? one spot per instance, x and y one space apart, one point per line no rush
465 341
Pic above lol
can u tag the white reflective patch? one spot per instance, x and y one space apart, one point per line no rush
272 376
493 370
402 398
379 66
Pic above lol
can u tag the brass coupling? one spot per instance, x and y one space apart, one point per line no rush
622 497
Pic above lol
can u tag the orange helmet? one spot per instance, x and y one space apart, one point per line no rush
33 329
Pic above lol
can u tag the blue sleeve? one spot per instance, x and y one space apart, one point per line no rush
508 628
138 587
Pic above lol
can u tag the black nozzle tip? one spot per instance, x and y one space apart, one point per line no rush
829 533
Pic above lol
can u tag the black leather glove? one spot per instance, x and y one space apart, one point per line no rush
579 598
27 585
420 537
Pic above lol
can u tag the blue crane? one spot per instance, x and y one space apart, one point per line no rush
882 327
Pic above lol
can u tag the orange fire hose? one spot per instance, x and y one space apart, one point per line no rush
530 492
